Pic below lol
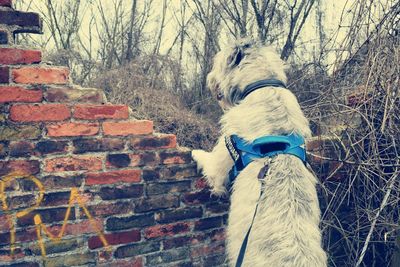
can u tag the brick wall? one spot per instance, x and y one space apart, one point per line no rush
83 183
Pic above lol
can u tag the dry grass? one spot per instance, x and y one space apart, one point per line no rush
128 85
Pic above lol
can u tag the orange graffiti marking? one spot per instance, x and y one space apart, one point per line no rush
40 227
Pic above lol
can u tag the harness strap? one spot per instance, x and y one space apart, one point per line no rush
238 165
262 174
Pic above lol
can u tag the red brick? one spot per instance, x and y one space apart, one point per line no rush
19 94
4 74
39 112
115 239
201 183
154 142
126 176
12 56
93 112
35 75
175 157
20 166
166 230
76 229
73 164
72 129
5 3
128 127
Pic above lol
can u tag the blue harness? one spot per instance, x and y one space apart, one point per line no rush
244 153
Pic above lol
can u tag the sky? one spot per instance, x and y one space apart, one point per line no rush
332 9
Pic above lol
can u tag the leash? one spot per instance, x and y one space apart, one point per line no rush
261 175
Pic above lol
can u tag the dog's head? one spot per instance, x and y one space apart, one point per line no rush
236 67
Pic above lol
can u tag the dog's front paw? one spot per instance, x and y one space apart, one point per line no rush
200 156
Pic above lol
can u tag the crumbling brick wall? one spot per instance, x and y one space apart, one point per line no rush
83 183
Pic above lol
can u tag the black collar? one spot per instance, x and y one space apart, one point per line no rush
260 84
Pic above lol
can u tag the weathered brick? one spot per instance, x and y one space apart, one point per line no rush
218 235
48 216
136 262
30 21
121 192
21 201
217 207
6 3
98 145
63 164
201 197
175 157
150 175
153 142
125 128
12 56
4 149
39 112
21 149
170 216
168 256
207 250
156 203
135 221
177 242
19 94
68 95
118 160
189 240
51 147
56 199
107 209
24 264
166 230
137 249
55 182
115 239
4 74
24 166
3 37
208 223
214 260
94 112
170 187
125 176
72 129
201 183
77 229
144 158
63 245
36 75
5 255
13 132
178 172
71 260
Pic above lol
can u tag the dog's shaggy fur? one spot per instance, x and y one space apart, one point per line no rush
285 231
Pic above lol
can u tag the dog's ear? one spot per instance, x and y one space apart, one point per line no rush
236 56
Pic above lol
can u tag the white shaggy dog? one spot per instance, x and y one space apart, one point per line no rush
285 231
